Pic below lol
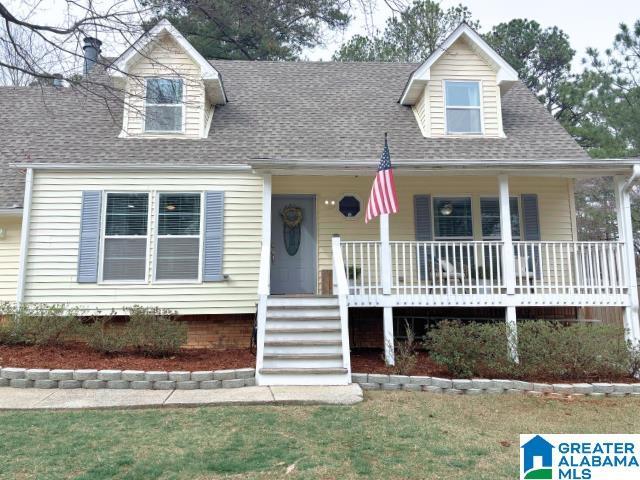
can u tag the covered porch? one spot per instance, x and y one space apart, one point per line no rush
497 236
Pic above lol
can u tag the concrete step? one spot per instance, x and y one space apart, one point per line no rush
288 323
303 356
303 371
301 314
295 348
302 301
297 336
270 330
302 343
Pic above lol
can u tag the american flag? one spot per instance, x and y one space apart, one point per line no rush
383 198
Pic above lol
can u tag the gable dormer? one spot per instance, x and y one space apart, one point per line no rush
170 89
457 91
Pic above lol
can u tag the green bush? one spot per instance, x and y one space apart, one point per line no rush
154 331
37 323
546 350
101 335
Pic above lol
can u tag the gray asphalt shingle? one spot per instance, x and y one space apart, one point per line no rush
281 110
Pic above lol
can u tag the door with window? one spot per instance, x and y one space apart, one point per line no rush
293 244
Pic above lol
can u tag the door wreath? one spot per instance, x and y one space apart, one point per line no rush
291 220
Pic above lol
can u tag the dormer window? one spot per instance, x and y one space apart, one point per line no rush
463 114
164 106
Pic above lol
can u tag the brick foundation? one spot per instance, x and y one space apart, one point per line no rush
219 331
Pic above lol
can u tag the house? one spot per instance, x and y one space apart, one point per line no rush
211 187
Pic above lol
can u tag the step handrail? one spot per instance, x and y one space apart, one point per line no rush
263 295
341 290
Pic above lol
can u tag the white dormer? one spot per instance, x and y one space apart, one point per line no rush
456 92
170 89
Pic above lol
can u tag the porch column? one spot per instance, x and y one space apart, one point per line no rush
385 273
264 276
508 266
625 235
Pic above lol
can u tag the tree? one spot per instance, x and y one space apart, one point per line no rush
410 36
26 49
604 116
253 29
542 57
33 49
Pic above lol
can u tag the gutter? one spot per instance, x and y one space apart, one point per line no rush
13 212
133 167
24 236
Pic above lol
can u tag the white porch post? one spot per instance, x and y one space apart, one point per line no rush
385 273
264 279
625 235
24 237
508 266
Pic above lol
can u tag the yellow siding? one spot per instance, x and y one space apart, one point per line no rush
461 62
9 253
554 198
421 111
52 260
166 59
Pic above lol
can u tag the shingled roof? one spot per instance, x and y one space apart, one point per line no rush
307 111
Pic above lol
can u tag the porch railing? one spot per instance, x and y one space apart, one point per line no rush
574 268
546 273
421 268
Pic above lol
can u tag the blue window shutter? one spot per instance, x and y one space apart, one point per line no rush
531 227
530 217
422 213
423 225
89 245
213 236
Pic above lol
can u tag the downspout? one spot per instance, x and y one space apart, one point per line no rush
634 176
24 236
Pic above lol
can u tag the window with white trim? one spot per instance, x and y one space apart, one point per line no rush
125 237
179 232
452 218
164 106
463 111
490 216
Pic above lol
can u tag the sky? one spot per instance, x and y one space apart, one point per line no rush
589 23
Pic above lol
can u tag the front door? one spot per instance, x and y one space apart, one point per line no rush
293 244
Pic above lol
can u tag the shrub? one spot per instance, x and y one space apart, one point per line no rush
101 335
470 349
37 323
546 350
406 356
154 331
583 351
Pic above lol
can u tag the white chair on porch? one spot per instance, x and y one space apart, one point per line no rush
450 276
524 275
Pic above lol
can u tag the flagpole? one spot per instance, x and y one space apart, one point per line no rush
385 270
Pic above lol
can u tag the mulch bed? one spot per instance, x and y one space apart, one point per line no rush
364 360
371 361
77 356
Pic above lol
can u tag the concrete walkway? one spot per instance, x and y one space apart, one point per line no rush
58 399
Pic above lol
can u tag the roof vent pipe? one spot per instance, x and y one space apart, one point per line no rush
91 53
57 80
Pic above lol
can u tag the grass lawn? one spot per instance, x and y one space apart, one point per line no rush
392 435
